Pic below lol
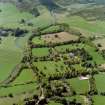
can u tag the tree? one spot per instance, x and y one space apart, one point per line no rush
0 39
35 12
10 95
23 21
99 45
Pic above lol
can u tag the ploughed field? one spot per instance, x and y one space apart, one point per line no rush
54 62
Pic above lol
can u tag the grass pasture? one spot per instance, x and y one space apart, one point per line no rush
10 56
99 100
100 82
19 85
64 47
45 19
52 29
97 57
40 51
38 40
10 16
80 86
26 75
50 67
5 91
81 23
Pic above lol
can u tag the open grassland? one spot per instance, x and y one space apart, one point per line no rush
99 100
40 51
100 81
80 86
25 76
10 17
10 56
97 57
64 47
10 101
79 22
16 99
5 91
45 19
54 28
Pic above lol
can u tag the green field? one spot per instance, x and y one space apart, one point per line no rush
51 29
38 40
11 16
99 100
97 57
80 86
45 19
50 67
79 22
26 75
40 51
100 81
10 56
20 85
17 89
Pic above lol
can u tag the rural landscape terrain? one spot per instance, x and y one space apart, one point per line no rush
52 52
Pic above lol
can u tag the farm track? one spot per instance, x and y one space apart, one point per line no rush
13 75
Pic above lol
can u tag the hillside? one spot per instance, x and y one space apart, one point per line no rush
84 8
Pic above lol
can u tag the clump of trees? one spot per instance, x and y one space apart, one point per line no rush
34 11
19 32
92 84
